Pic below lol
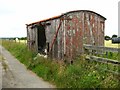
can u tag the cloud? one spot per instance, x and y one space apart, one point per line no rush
14 14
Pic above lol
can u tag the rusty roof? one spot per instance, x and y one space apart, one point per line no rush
56 17
85 11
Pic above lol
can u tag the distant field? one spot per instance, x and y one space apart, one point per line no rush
109 44
21 41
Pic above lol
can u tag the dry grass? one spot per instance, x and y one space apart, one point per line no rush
109 44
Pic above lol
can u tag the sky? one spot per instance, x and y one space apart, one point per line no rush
14 14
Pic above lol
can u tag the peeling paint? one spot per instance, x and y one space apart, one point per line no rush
68 32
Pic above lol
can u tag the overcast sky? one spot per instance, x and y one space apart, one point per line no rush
14 14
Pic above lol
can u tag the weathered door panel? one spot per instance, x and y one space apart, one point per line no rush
32 37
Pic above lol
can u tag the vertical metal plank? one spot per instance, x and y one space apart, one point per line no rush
58 41
83 30
64 42
98 32
97 41
36 39
53 24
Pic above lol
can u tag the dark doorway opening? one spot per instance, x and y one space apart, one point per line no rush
41 39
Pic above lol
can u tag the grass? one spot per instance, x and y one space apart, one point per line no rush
82 74
111 55
20 51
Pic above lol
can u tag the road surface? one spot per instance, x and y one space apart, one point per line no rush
15 74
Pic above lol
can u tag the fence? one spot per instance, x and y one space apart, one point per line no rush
100 50
102 54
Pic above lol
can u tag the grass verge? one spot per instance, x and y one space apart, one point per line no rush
82 74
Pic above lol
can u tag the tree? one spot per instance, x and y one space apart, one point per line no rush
23 38
114 36
107 37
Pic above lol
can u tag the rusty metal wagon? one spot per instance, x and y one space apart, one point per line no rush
63 36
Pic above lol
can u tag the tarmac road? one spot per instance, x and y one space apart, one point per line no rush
15 74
